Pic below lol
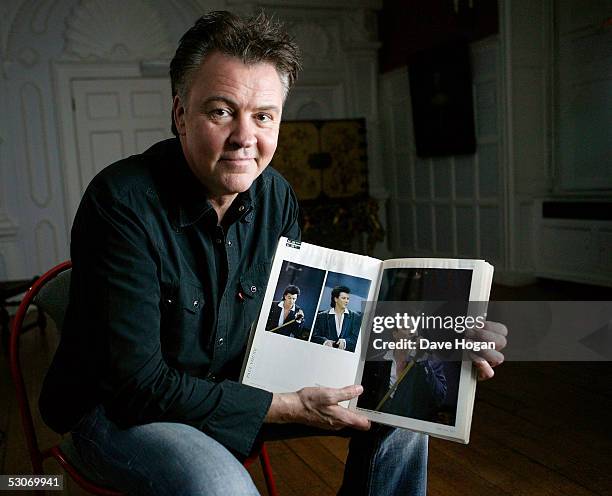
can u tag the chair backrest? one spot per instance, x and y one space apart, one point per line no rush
55 296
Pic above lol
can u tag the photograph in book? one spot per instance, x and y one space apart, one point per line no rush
293 310
339 316
421 386
297 342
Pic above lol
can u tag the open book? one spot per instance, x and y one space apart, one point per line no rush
321 324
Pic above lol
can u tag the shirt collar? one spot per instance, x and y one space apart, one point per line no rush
332 311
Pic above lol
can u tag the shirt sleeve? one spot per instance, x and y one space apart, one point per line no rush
116 276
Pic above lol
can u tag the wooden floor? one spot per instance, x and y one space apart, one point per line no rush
538 429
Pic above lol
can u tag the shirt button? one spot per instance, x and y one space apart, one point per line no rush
220 342
218 241
196 303
253 289
229 243
169 301
241 208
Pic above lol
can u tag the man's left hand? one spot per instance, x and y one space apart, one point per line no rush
485 360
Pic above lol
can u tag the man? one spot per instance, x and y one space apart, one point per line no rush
285 316
171 252
338 327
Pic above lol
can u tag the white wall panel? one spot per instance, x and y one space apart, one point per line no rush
445 239
464 177
37 160
442 177
490 234
105 147
466 231
102 105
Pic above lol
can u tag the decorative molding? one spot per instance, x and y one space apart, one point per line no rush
309 111
357 27
47 252
8 229
12 262
314 41
329 97
116 30
40 19
9 14
36 149
28 57
199 7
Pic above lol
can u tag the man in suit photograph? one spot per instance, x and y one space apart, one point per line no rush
338 326
285 316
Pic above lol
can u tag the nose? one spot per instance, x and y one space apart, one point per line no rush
243 133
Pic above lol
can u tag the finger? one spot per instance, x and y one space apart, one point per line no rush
494 357
484 366
496 327
486 335
485 371
336 395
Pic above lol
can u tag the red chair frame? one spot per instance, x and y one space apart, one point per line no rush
38 456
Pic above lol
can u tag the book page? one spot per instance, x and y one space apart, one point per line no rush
420 389
300 339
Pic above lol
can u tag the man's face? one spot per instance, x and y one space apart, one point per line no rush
229 124
342 300
290 300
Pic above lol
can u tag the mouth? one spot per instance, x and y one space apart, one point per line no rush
230 158
237 165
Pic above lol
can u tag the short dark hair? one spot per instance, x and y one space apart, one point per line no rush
253 39
336 293
291 289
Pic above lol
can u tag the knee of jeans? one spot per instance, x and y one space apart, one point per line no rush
220 480
413 446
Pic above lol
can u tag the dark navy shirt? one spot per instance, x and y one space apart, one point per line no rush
162 298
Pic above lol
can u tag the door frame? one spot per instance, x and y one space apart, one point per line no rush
63 74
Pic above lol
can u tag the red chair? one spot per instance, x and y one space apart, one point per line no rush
50 293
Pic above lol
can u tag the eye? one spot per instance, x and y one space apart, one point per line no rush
264 118
219 113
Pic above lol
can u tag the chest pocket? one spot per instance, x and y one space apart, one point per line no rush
252 288
182 313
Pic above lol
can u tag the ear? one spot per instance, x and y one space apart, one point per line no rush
178 113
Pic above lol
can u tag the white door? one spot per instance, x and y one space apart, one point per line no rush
115 118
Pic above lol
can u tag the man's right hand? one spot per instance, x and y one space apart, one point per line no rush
317 407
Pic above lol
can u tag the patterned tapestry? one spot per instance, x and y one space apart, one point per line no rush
327 157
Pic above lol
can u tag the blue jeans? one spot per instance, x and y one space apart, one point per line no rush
166 458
